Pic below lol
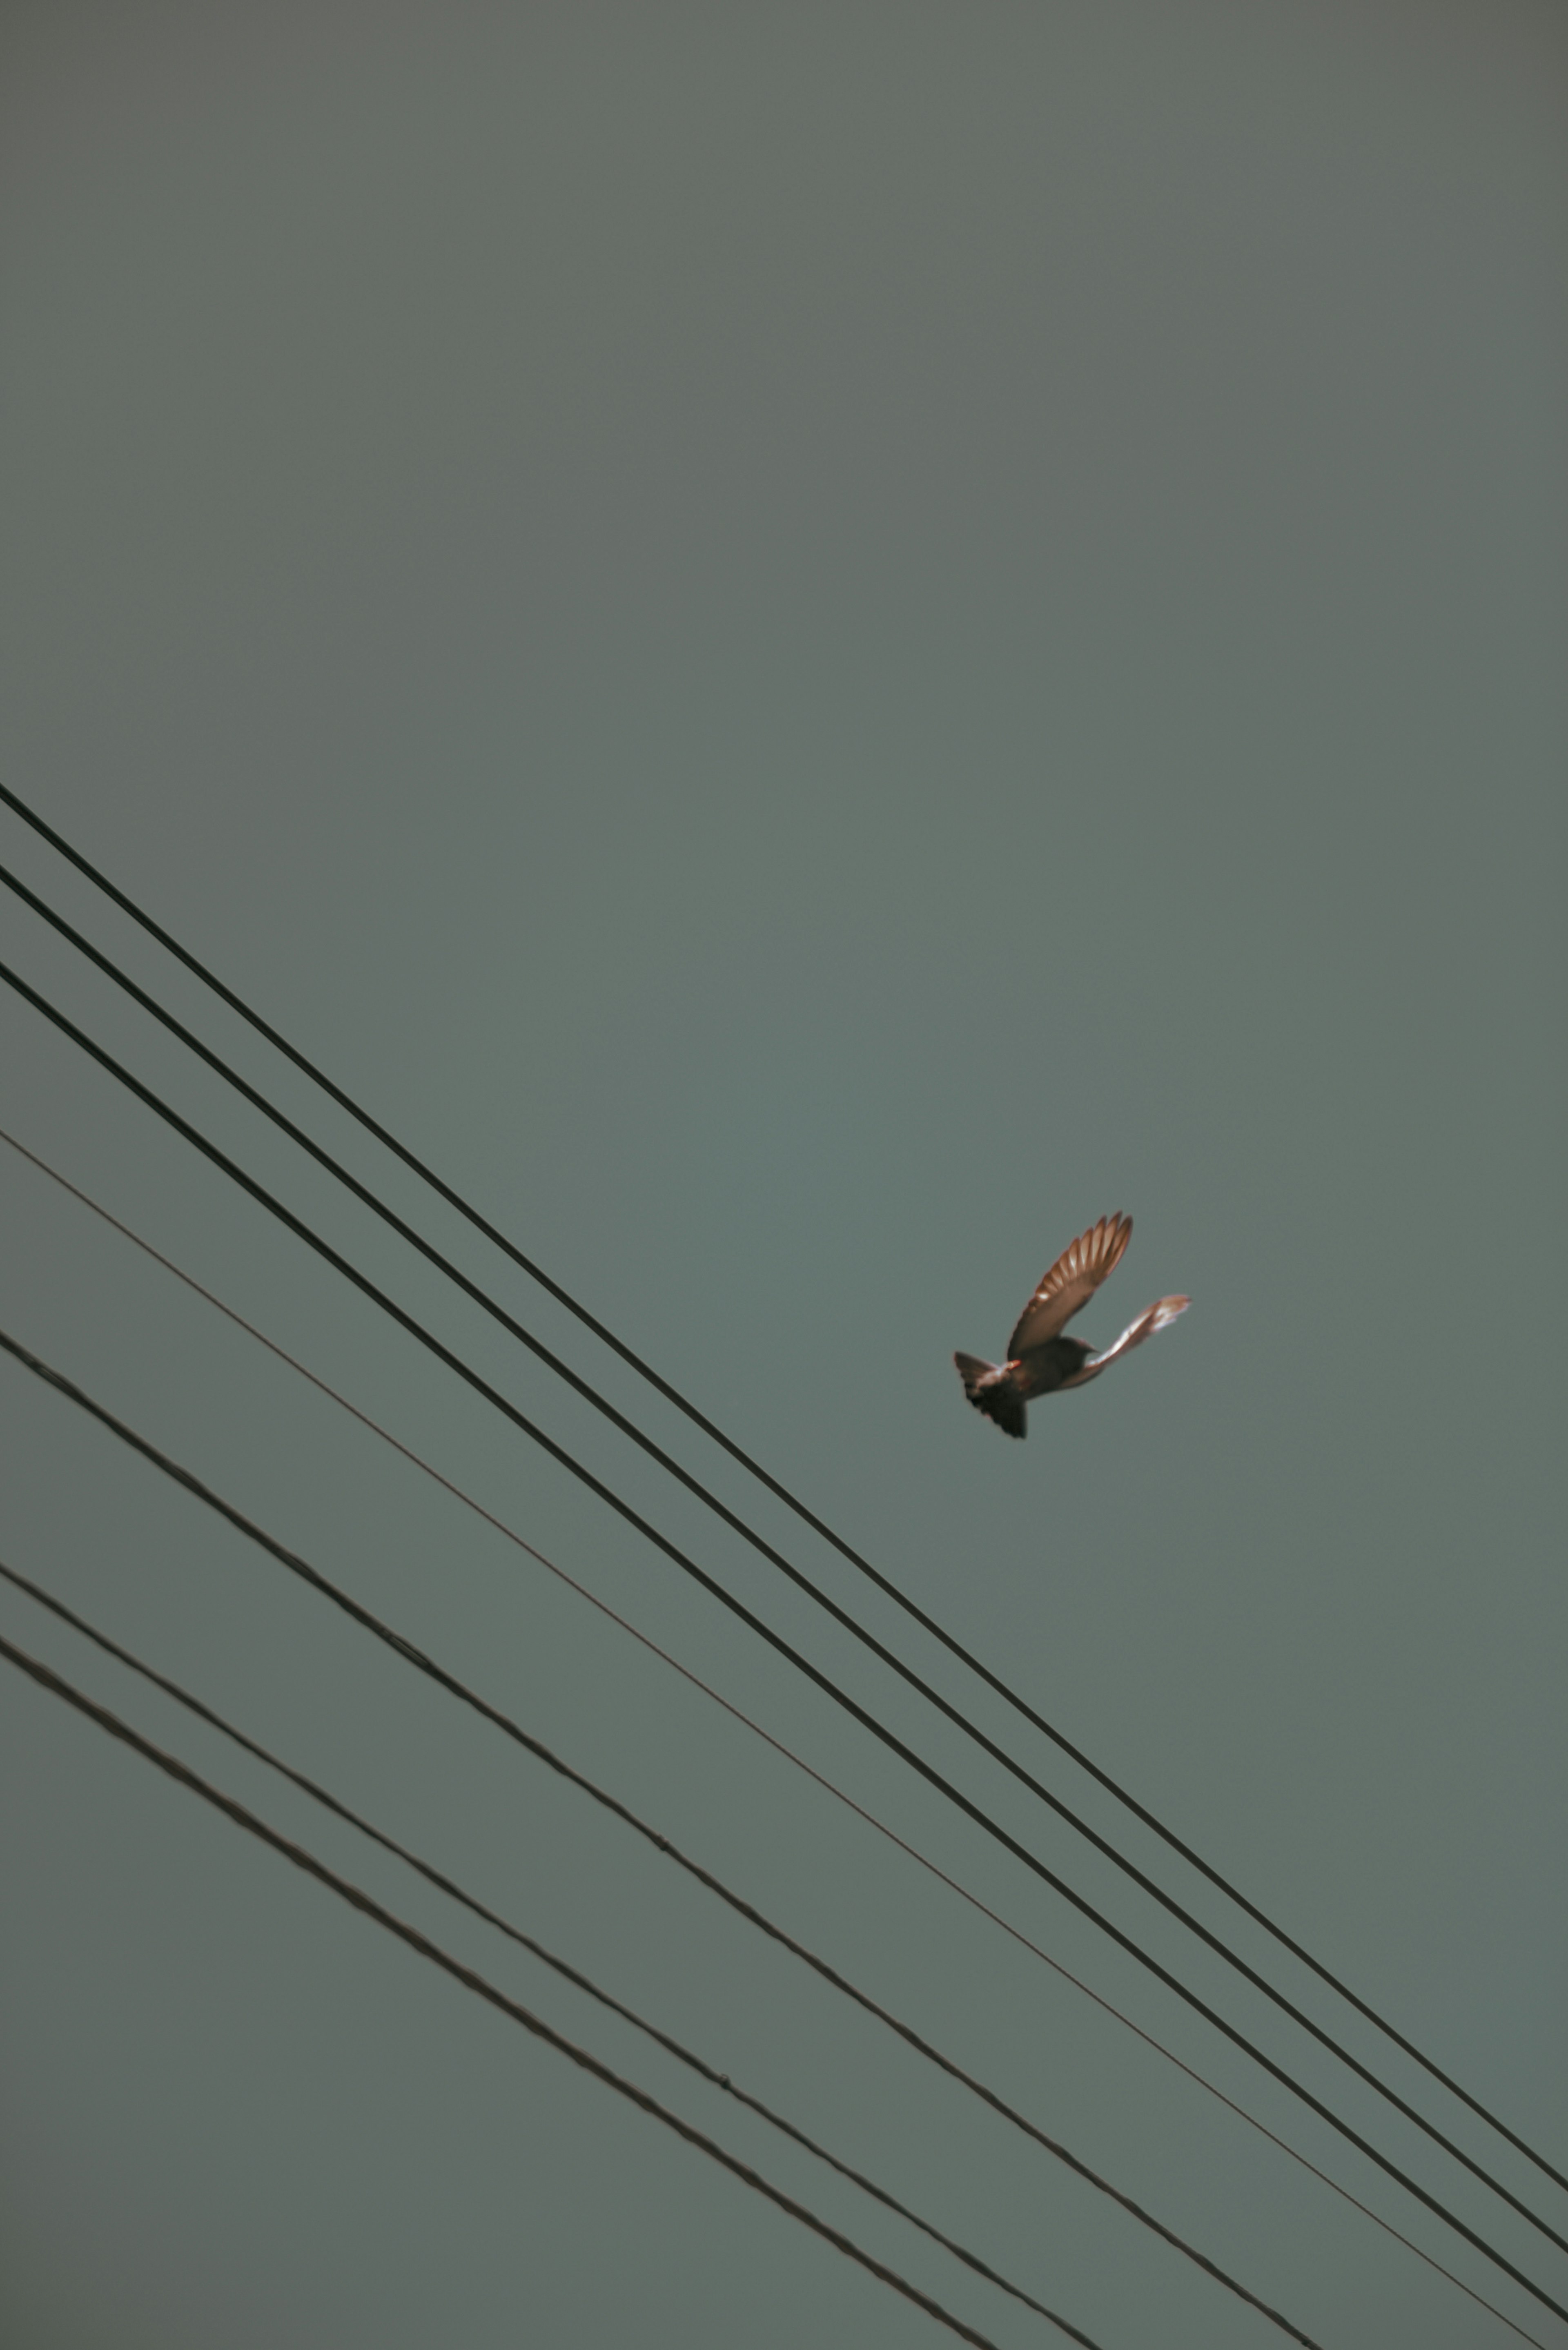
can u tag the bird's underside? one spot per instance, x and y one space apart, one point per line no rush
1039 1358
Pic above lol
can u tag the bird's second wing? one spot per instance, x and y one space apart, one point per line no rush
1154 1317
1071 1281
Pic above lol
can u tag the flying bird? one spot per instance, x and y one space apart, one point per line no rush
1040 1358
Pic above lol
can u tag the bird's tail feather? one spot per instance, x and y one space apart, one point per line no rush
990 1389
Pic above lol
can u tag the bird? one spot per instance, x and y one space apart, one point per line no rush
1040 1358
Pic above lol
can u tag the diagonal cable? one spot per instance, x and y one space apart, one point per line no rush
500 1526
743 1908
559 1966
867 1639
360 1900
672 1395
426 1664
613 1804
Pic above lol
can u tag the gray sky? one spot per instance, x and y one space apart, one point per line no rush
810 645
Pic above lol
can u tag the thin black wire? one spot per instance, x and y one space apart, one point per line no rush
788 1753
559 1966
426 1664
672 1395
907 1753
362 1901
612 1804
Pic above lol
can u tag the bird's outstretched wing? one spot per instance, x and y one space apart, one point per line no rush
1154 1317
1071 1283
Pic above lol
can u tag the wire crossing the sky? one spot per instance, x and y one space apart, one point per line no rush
863 1566
612 1804
973 1900
689 1566
753 1468
559 1966
472 1982
426 1664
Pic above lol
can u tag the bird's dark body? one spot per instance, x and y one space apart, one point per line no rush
1002 1389
1045 1368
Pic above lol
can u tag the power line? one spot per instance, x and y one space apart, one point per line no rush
672 1395
449 1681
613 1804
474 1982
840 1696
559 1966
729 1517
789 1755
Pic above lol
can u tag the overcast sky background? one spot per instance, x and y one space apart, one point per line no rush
809 644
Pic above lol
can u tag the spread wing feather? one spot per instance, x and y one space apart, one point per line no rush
1071 1283
1157 1316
